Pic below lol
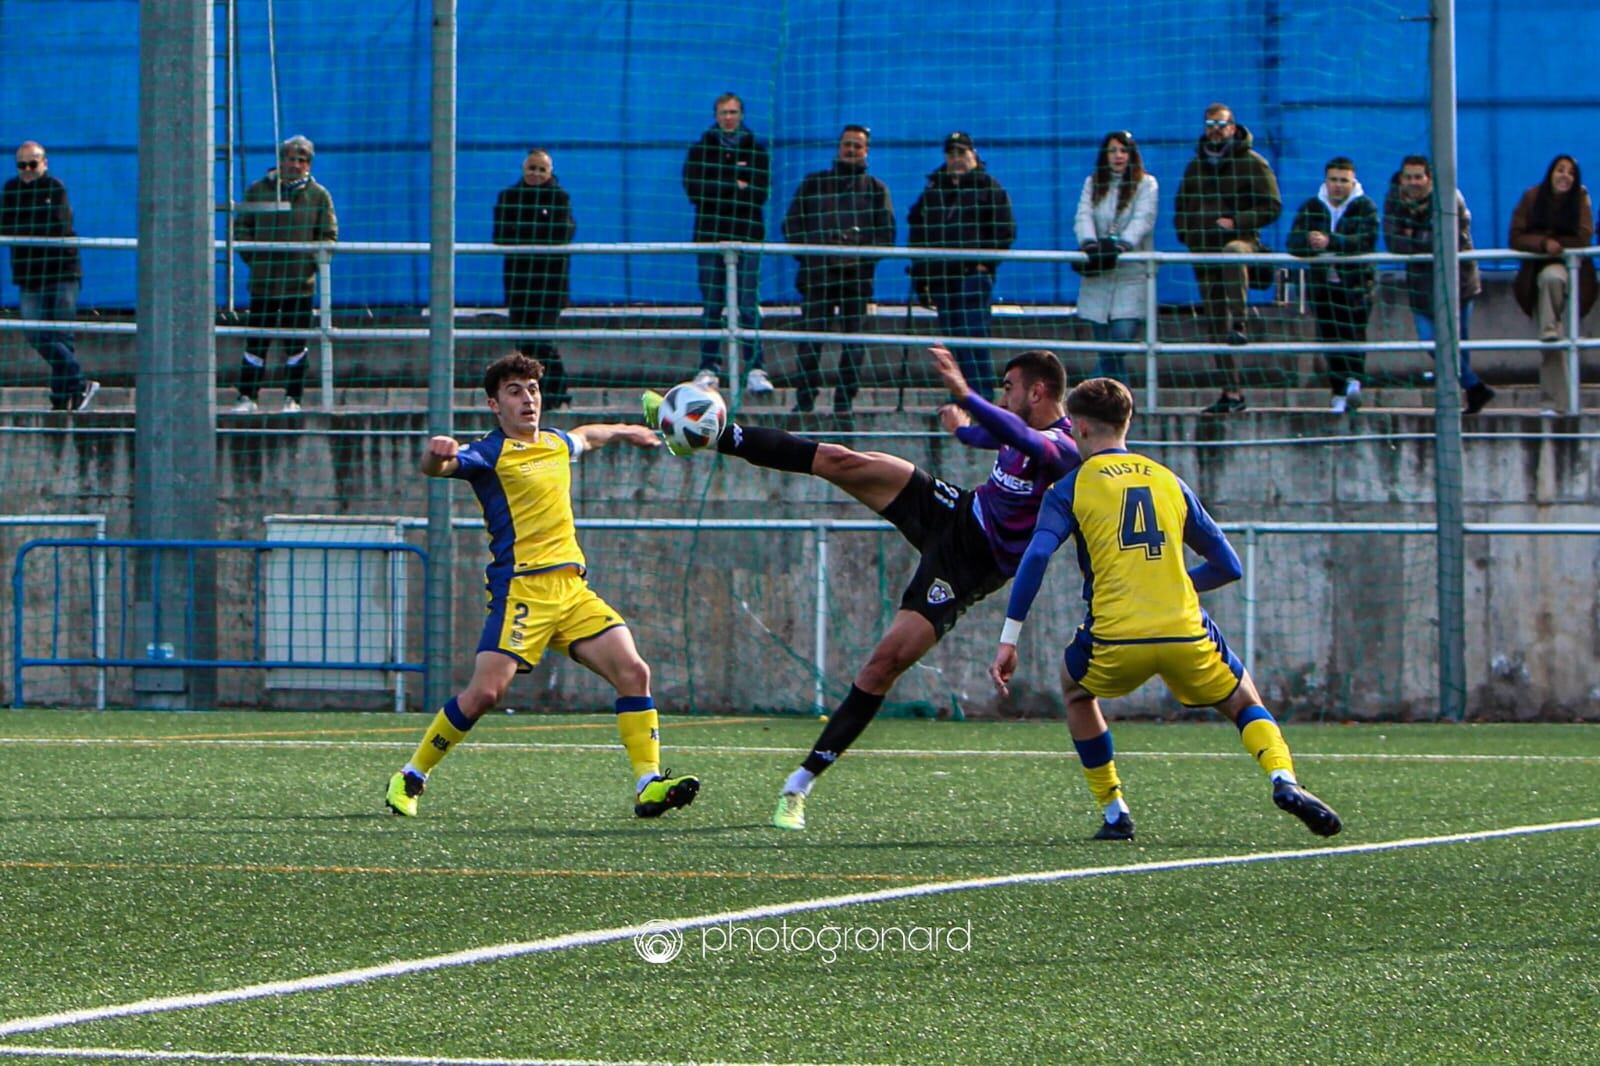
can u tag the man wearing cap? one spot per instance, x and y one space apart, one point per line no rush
962 206
1227 197
34 204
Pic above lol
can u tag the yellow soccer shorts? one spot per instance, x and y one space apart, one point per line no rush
1201 672
550 609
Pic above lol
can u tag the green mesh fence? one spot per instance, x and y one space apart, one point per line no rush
601 128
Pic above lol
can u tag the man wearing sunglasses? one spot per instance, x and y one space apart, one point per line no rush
1227 197
34 204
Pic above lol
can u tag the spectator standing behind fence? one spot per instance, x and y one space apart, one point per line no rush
537 210
962 206
1228 195
1116 214
1340 220
842 205
34 204
287 205
1408 230
1552 216
728 175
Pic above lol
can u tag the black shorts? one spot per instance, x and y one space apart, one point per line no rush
957 568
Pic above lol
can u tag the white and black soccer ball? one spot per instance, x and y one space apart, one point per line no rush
693 416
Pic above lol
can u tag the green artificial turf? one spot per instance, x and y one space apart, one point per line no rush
149 855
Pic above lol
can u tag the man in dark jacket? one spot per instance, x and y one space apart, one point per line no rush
1340 220
286 205
537 210
34 204
1228 195
727 176
1408 230
962 206
840 205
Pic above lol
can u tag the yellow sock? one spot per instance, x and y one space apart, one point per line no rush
1104 784
1100 768
1262 738
449 728
641 734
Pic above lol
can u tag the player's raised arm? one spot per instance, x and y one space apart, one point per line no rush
993 426
439 456
599 434
949 371
1056 522
1201 532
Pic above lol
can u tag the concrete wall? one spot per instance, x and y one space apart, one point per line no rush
1346 624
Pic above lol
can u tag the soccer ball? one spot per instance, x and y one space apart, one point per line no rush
692 416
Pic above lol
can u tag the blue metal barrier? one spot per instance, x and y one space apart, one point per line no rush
146 638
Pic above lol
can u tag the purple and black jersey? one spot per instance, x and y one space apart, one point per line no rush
1030 461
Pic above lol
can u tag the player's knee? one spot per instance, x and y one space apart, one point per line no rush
884 668
632 677
479 699
835 460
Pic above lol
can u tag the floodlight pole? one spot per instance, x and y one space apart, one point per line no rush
175 496
441 347
1450 546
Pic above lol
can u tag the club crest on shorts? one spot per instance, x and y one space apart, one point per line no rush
940 593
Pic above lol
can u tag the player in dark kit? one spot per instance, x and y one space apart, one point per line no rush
971 541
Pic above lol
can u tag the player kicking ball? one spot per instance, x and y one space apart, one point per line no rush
538 597
969 541
1131 517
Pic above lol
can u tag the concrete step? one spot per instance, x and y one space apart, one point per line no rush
623 403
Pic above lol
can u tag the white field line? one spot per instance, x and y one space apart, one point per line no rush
168 1055
751 749
657 927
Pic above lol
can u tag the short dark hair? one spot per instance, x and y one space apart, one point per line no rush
1418 161
1039 364
724 98
510 365
1340 162
1217 107
855 128
1103 400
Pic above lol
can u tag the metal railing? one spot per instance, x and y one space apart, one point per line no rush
1247 536
173 645
732 334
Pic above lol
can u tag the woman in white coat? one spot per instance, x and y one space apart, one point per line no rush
1117 209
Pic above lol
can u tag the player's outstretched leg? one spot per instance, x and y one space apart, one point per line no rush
612 654
1320 818
854 713
1091 736
664 793
652 418
1262 738
448 728
908 639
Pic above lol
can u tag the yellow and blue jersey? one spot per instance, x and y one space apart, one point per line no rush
525 489
1130 517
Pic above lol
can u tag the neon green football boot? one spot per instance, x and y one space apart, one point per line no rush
791 812
652 418
664 793
403 792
